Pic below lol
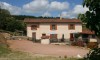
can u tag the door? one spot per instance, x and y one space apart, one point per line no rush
33 35
53 38
62 39
71 37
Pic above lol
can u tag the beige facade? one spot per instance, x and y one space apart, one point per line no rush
62 28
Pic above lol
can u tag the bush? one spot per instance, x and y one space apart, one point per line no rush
94 54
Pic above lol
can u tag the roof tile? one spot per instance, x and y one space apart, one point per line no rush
28 20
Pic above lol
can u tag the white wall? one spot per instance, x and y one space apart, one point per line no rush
61 29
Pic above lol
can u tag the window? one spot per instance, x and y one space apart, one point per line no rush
53 27
34 27
71 27
53 36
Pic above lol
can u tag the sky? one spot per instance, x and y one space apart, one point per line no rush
45 8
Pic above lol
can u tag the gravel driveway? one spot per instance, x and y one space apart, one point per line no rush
49 50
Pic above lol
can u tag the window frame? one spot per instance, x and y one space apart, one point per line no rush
71 26
53 27
34 27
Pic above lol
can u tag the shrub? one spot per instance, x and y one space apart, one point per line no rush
94 54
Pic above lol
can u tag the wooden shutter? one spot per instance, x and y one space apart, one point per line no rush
68 26
51 27
56 36
50 36
32 27
56 26
74 27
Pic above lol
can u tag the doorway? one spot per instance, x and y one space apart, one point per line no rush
71 37
34 36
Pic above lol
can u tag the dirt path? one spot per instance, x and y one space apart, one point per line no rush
51 50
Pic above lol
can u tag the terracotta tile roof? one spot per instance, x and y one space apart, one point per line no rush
28 20
87 31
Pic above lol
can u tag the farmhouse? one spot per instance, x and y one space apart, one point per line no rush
52 28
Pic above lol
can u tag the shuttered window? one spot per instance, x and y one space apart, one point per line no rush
34 27
71 26
53 27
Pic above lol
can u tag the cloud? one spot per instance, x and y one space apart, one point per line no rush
44 7
59 5
46 14
12 9
79 9
74 12
36 6
64 14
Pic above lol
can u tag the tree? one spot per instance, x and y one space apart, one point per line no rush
93 54
4 15
92 17
9 23
4 12
92 20
81 17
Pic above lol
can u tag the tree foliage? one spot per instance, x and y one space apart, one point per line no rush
22 17
92 20
13 23
92 17
4 12
82 18
93 54
9 23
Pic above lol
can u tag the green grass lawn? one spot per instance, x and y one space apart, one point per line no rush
7 54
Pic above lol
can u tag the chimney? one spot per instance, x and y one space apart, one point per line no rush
60 16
